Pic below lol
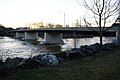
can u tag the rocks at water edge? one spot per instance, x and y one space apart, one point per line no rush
87 50
47 59
38 61
29 64
50 60
109 46
70 54
55 59
13 62
95 47
75 53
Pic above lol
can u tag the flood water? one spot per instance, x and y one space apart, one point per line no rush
10 47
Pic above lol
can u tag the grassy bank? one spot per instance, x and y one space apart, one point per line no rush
104 66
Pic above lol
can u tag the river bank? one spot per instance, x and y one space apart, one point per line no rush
102 66
5 31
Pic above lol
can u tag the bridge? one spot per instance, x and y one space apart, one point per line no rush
54 35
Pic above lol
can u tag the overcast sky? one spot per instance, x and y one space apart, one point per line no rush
17 13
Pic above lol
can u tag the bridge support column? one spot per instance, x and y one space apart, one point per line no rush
31 36
19 35
116 26
118 36
53 38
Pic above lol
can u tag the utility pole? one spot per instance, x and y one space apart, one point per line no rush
119 7
64 19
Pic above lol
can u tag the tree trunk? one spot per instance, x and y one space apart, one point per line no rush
100 27
101 36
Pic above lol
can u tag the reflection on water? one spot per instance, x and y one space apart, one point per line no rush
10 47
77 42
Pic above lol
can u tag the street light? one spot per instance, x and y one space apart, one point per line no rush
64 19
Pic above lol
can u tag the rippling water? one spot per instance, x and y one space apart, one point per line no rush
10 47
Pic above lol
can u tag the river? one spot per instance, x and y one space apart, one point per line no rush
10 47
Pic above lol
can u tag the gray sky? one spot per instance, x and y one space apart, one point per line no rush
17 13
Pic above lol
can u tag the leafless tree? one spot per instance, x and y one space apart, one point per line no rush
102 11
78 23
50 25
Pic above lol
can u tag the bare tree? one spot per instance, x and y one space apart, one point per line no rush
102 11
78 23
50 25
58 26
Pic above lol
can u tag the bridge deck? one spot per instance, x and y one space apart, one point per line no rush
70 29
94 31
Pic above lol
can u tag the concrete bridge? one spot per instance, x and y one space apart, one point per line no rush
54 35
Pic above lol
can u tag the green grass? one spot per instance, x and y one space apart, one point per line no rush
104 66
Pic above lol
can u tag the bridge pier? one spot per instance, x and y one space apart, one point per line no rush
118 36
19 35
116 27
53 38
31 36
